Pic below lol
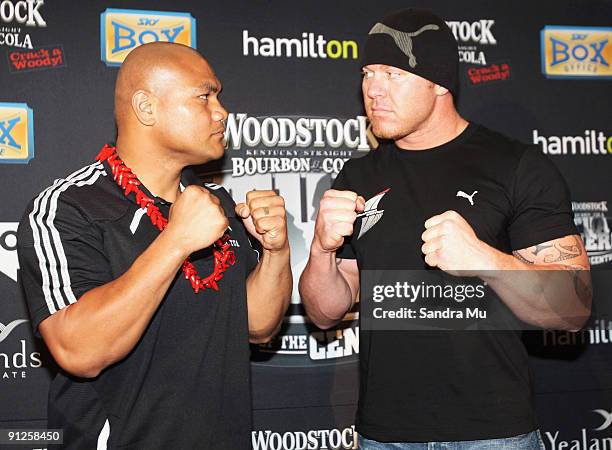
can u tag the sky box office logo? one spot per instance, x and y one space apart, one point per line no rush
122 30
16 133
576 52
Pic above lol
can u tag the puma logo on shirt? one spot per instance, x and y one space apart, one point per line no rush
469 197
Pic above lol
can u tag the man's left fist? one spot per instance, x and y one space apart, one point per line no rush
263 215
452 245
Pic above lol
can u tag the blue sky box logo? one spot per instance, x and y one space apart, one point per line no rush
16 133
576 52
122 30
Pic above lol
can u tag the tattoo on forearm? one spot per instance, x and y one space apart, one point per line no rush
570 250
517 254
551 252
564 251
538 248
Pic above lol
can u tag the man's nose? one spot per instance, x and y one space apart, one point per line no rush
219 114
376 87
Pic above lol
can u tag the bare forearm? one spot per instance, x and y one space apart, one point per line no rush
108 321
269 289
325 293
552 296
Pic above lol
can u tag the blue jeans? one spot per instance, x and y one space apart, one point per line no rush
529 441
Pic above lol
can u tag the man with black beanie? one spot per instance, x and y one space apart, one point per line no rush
449 197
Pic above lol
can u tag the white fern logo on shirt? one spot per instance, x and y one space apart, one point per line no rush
371 214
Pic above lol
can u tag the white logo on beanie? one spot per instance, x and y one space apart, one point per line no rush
403 39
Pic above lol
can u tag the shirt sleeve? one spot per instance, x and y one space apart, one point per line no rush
61 257
542 209
341 183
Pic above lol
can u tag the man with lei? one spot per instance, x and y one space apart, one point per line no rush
143 282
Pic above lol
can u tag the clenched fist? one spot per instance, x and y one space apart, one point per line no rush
451 244
263 215
196 219
337 214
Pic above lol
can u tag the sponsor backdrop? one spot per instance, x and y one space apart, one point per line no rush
538 71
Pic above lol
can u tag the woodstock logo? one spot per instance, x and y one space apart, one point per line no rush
469 197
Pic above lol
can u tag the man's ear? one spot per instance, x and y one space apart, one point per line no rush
143 105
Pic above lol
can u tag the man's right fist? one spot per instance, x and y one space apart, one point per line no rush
196 219
337 213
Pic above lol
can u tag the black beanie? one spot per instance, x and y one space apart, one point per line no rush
417 41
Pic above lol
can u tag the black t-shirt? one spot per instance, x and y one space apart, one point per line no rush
186 383
449 385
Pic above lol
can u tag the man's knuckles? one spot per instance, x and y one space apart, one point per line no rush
431 259
268 223
342 229
268 211
451 214
339 216
198 195
261 202
251 195
338 213
347 195
336 203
